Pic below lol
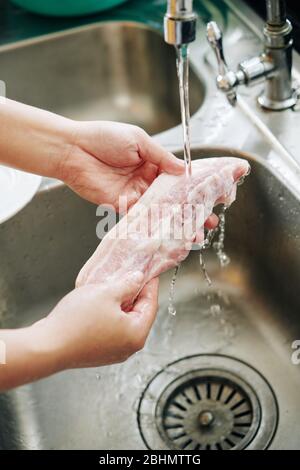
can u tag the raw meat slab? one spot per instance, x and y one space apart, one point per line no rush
149 238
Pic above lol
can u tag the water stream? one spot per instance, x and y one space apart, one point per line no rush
217 245
183 79
171 306
205 245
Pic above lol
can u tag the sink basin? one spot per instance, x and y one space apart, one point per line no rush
235 335
117 71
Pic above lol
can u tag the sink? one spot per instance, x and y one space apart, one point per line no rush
233 338
120 71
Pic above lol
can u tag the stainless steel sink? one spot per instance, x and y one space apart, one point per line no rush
227 354
121 71
240 329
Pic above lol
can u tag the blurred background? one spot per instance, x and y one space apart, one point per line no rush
15 20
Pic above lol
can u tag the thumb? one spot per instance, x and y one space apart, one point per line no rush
164 160
129 287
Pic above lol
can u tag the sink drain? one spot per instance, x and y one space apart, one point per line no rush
207 402
208 410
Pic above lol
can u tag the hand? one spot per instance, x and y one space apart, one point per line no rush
87 328
92 329
99 160
110 159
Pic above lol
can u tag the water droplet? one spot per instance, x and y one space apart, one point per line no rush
219 244
215 309
171 307
204 270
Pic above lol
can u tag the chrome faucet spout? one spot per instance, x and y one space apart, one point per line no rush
180 22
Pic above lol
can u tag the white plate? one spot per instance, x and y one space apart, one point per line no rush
16 190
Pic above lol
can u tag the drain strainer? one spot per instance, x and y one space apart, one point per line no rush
208 409
209 402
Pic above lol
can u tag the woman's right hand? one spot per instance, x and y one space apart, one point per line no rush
91 329
87 328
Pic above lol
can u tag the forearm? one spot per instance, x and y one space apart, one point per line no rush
28 355
34 140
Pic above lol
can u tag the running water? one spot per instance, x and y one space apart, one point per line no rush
204 270
171 307
183 79
205 245
218 245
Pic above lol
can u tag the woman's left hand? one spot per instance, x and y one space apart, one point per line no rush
110 159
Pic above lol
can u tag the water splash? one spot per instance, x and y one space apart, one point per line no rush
183 78
220 310
218 245
215 309
204 270
205 245
171 306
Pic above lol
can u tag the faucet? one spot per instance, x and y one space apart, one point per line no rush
273 65
180 22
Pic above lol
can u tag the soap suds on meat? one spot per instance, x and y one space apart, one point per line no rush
147 240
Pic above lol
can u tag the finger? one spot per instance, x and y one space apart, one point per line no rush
128 288
147 172
212 221
145 308
165 161
140 182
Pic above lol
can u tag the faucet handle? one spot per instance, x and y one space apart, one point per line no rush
227 80
215 39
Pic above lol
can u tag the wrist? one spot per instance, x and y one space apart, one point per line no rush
29 355
67 161
63 148
44 348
